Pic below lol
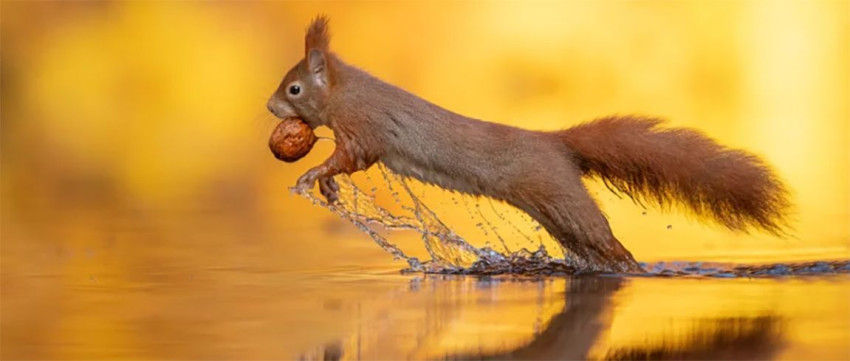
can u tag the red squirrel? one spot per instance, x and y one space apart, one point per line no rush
536 171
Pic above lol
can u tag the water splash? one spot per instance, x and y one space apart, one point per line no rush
449 252
452 254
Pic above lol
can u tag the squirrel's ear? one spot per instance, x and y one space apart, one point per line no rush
317 35
318 66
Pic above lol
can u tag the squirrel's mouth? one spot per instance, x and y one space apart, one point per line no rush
281 109
310 123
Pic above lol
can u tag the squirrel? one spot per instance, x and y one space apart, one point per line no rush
538 172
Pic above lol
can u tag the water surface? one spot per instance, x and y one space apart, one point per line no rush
347 313
111 280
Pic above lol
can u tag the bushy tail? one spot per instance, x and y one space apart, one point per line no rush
681 166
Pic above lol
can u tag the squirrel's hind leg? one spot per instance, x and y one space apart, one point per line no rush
573 218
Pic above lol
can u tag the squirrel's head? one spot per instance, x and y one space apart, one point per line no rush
304 90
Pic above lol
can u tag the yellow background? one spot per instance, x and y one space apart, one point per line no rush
121 118
143 216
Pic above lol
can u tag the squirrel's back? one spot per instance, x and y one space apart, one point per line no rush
420 139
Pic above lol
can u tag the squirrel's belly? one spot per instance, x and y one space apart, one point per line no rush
403 166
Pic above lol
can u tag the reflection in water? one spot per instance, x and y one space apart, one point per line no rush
260 313
569 334
572 332
741 338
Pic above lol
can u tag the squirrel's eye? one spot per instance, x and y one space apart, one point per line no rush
294 89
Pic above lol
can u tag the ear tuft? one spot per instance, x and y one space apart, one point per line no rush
317 35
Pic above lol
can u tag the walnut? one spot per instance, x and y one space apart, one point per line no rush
292 140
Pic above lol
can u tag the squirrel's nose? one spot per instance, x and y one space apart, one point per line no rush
270 107
280 108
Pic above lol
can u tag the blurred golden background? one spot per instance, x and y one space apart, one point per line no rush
134 134
146 108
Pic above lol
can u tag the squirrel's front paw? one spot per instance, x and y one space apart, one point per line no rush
306 182
329 189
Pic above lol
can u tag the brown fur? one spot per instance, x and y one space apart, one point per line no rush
318 36
538 172
681 166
